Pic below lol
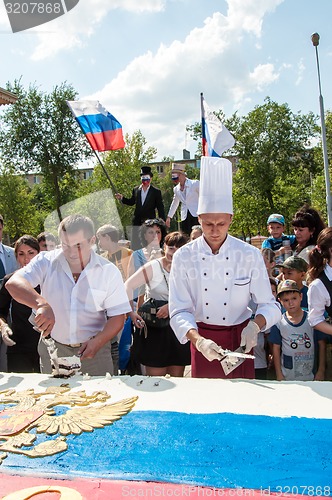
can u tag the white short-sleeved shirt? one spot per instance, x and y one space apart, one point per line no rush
81 309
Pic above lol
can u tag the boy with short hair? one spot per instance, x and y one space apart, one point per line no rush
278 241
295 268
293 339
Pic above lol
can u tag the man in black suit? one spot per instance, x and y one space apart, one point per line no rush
147 200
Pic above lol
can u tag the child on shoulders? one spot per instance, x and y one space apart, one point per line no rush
279 242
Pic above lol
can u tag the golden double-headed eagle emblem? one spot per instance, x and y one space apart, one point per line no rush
29 410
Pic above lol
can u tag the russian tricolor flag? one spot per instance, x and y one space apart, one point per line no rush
216 138
101 128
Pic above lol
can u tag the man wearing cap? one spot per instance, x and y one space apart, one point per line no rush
213 279
147 200
185 191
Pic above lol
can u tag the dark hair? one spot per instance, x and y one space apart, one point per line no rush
46 236
176 239
273 281
268 253
310 218
150 223
76 222
26 239
1 219
320 255
111 231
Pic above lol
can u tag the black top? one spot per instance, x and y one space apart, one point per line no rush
152 203
17 315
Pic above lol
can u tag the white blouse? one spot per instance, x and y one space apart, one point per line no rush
318 298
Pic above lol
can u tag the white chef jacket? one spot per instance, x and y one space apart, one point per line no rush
188 198
318 298
216 289
81 309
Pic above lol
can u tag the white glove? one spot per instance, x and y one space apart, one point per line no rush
209 349
249 336
6 333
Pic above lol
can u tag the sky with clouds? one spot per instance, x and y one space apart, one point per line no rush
147 61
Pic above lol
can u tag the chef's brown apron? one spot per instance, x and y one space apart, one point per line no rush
228 337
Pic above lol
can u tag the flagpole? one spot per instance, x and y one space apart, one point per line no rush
202 114
104 170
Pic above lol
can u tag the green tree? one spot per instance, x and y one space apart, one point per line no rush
40 134
275 164
123 167
17 207
318 182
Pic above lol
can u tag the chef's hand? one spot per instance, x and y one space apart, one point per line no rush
249 336
209 349
6 333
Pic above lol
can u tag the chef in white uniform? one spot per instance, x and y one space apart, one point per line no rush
213 279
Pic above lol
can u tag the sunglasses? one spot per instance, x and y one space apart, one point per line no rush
152 222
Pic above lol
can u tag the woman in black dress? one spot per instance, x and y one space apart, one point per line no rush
158 349
16 330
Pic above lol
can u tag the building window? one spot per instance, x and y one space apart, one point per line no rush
160 169
87 174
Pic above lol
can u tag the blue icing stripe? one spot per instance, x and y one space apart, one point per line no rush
219 450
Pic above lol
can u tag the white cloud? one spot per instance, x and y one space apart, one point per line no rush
158 93
75 28
300 72
263 75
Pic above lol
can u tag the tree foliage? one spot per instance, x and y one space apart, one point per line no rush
17 207
39 134
123 167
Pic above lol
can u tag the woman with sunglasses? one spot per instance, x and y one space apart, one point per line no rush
152 235
157 347
20 337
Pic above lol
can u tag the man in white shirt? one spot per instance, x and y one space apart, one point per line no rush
213 279
186 192
83 302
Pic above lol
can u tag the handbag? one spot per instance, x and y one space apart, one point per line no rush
149 308
148 311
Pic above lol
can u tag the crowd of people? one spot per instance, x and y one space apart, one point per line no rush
197 298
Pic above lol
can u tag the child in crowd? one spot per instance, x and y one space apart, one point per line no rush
293 339
279 242
295 268
196 232
269 257
262 348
